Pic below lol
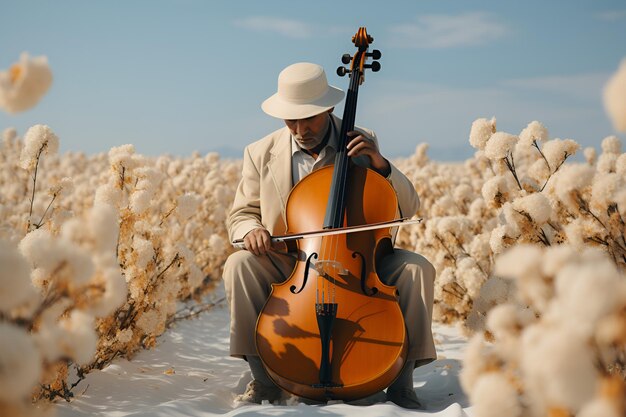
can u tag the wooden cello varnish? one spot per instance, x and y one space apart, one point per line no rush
333 330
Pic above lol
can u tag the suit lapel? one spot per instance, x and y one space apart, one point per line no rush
280 167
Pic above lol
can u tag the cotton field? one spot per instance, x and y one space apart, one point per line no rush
97 251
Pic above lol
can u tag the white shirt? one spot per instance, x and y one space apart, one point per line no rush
302 164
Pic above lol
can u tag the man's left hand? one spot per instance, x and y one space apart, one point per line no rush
360 145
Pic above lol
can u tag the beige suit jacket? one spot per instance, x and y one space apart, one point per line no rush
261 196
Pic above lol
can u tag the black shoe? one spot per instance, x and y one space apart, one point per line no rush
405 398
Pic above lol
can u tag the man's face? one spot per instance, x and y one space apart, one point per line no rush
309 132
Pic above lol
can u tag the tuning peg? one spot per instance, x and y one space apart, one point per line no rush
375 66
341 71
375 54
346 58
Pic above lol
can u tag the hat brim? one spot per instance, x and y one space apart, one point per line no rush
277 107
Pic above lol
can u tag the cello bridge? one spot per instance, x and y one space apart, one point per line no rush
326 267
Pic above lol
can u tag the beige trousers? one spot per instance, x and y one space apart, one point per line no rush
248 279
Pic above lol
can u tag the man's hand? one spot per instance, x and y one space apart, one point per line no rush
360 145
258 241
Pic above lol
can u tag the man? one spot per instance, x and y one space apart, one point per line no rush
271 167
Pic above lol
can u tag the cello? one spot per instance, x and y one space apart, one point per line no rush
333 330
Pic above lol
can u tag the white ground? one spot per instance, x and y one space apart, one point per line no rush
190 373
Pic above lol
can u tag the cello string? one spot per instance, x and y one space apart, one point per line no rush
344 166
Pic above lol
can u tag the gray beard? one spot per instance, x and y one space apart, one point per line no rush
317 139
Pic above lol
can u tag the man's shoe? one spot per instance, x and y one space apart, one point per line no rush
257 392
405 398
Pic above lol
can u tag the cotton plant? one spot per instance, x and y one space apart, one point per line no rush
24 84
172 239
54 287
557 346
107 245
517 189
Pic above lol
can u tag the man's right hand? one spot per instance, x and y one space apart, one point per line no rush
258 241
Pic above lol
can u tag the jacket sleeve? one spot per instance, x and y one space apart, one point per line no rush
245 214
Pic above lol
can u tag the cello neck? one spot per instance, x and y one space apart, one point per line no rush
335 208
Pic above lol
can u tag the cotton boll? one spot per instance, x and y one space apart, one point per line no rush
20 363
80 339
611 331
535 131
63 188
15 285
557 257
599 407
481 131
499 145
477 359
217 243
122 156
536 205
519 262
458 226
140 201
493 292
506 320
25 83
187 205
109 194
590 155
557 150
471 276
501 238
558 368
607 163
212 158
570 179
579 230
494 396
463 193
150 178
620 165
195 278
8 135
496 191
37 138
34 246
104 226
523 263
115 293
74 263
444 206
477 209
144 252
615 98
603 190
479 246
586 293
611 144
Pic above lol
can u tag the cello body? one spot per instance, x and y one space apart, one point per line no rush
333 330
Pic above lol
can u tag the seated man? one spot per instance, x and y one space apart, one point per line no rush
271 167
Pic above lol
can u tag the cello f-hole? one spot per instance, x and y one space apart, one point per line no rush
306 274
364 275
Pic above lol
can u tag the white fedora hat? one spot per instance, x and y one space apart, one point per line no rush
303 91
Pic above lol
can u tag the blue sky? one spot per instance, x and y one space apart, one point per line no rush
178 76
